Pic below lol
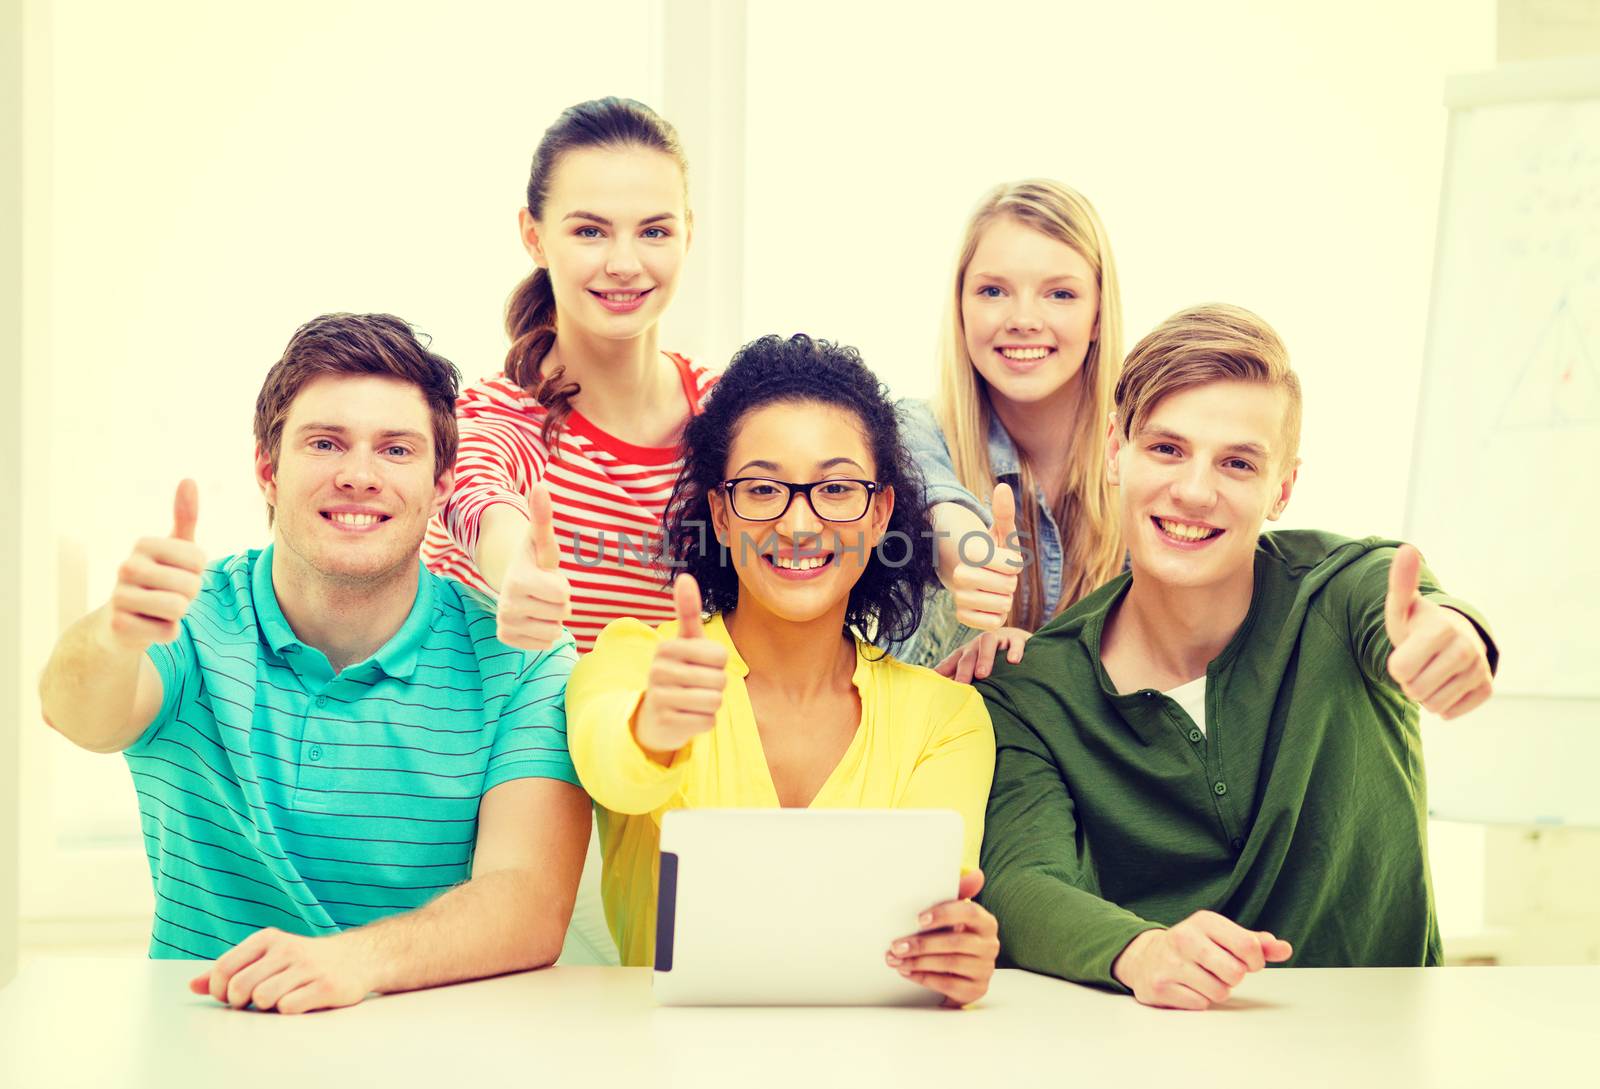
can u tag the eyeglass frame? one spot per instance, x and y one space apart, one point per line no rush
872 487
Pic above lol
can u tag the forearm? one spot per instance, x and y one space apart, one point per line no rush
502 530
1050 926
504 921
952 524
88 688
616 770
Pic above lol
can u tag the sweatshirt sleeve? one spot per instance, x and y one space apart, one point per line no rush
1040 882
602 696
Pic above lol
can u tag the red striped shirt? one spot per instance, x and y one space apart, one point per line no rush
608 497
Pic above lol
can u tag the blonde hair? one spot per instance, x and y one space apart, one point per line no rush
1211 343
1086 511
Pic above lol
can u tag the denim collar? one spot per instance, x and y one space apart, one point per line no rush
1003 460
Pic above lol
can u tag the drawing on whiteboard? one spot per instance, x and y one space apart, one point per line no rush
1559 386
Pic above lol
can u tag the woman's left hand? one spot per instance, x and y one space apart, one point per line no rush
955 950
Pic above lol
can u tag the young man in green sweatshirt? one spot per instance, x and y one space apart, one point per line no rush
1213 762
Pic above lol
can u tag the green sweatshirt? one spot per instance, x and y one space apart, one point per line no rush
1302 810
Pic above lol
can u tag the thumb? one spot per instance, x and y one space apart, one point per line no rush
542 529
970 885
201 984
1405 573
1004 507
686 602
185 510
1275 950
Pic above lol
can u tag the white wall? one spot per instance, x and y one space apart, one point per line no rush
1282 157
201 178
10 462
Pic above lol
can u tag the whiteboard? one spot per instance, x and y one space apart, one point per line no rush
1504 496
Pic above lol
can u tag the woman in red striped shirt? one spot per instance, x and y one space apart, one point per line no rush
567 458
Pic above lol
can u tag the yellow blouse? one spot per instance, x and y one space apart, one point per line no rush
924 742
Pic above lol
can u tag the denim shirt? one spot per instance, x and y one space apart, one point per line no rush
940 633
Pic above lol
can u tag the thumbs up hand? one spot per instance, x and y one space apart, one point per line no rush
685 683
984 580
159 580
1438 658
535 599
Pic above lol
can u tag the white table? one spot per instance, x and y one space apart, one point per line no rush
123 1022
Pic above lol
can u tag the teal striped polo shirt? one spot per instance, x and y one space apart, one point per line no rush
274 793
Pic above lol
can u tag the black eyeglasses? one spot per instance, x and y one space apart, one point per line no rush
762 499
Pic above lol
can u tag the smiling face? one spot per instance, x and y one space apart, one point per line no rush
612 234
1028 309
799 567
354 483
1205 468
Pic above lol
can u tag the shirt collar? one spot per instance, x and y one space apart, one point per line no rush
397 657
269 617
718 630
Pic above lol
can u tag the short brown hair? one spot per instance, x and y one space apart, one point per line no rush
360 344
1211 343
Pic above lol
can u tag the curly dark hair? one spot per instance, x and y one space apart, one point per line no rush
886 602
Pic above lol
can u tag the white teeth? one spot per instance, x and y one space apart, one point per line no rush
1184 532
354 519
620 297
1024 354
798 564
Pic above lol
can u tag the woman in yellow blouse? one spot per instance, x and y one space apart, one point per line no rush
823 548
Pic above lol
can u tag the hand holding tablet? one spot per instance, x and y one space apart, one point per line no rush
954 952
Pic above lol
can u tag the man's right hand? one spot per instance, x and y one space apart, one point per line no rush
983 580
536 599
158 582
686 681
1197 963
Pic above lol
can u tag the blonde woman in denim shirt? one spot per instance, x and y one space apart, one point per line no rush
1029 358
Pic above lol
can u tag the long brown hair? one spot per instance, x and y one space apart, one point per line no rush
531 310
1086 512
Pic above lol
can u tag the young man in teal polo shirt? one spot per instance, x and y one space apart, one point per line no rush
1213 762
346 783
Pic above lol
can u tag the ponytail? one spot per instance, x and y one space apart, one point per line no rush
531 325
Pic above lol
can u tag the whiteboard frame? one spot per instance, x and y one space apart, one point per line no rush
1562 80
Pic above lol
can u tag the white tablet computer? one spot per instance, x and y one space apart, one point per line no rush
797 907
